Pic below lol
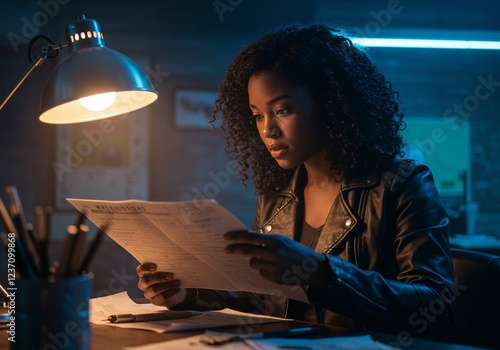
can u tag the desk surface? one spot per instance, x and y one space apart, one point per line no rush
104 337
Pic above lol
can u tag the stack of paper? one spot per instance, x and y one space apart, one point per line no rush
102 308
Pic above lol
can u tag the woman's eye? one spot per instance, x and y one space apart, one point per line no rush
282 111
257 116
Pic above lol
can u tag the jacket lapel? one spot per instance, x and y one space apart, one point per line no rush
342 219
344 214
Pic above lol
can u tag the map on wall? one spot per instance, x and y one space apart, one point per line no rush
104 159
443 146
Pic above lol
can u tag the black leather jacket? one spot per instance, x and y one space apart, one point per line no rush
386 238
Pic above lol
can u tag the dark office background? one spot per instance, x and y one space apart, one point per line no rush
186 44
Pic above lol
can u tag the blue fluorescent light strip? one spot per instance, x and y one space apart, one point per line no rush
428 43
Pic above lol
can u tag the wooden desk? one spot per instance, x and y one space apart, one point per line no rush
105 337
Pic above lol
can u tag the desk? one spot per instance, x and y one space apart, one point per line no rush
105 337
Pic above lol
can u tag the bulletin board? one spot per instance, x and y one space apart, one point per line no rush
444 146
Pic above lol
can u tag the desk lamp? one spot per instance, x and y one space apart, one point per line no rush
92 82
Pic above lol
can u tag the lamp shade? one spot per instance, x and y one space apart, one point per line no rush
92 69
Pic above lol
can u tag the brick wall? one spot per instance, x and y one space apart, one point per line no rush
192 46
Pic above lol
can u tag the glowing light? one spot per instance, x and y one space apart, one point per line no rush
98 102
428 43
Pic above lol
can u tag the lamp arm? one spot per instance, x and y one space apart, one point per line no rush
37 61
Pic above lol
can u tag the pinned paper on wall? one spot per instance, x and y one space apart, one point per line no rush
444 146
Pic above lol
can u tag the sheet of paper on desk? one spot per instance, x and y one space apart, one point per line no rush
338 343
101 308
184 238
334 343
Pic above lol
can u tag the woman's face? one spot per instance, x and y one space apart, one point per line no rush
286 119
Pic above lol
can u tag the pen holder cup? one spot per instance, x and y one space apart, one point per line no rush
52 314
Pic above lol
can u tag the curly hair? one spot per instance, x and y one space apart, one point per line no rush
360 112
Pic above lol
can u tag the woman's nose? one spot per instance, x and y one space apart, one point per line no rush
271 130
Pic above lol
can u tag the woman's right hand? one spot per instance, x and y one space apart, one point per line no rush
161 288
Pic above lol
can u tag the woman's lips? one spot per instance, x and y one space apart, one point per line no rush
277 150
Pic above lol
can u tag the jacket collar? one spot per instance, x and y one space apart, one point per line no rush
342 219
349 182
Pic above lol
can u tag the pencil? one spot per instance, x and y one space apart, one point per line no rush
6 219
69 243
81 219
92 250
36 244
4 239
23 264
74 263
40 225
48 227
19 220
41 234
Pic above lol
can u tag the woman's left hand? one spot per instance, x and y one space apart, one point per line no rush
280 259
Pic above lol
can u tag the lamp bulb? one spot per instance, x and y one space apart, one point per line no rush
98 102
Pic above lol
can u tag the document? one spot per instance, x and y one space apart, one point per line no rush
184 238
120 303
197 342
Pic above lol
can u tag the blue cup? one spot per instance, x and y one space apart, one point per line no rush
52 314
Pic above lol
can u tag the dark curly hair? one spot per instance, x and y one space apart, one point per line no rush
359 109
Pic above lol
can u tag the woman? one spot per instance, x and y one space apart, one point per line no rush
317 127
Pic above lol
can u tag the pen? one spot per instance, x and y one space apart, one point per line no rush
41 234
23 263
156 316
6 219
74 262
92 250
34 241
48 210
64 268
4 239
19 219
48 216
81 219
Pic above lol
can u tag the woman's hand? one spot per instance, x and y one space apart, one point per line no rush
161 288
281 259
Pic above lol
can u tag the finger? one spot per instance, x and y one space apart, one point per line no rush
154 278
250 237
169 298
259 251
145 268
167 289
158 297
270 276
263 265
